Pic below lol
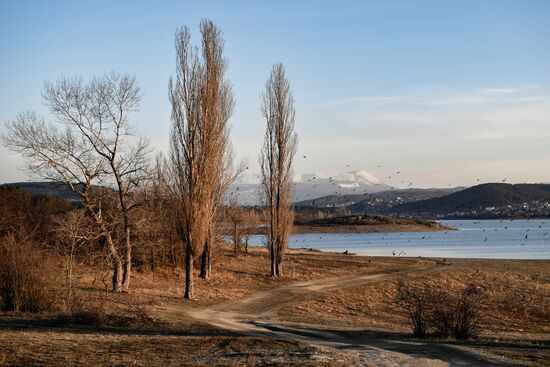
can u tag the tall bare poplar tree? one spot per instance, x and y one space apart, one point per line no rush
202 103
279 148
96 145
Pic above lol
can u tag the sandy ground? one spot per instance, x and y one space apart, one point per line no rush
328 310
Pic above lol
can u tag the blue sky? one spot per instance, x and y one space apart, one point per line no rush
444 91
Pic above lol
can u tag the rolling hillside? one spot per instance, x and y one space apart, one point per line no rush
492 199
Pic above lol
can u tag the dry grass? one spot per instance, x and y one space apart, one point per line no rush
234 277
158 331
518 296
53 348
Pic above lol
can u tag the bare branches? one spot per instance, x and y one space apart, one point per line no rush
201 157
94 145
53 154
276 159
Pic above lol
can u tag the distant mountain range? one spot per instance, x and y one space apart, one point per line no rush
376 202
486 200
312 185
491 200
57 189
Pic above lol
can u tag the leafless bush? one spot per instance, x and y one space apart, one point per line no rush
468 313
430 308
443 315
27 281
416 300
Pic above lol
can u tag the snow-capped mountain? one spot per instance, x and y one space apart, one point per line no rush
311 185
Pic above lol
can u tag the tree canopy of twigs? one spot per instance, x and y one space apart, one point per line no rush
92 142
201 156
279 148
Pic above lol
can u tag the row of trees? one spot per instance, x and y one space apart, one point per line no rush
94 149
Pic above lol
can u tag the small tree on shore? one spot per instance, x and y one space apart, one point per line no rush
236 217
279 148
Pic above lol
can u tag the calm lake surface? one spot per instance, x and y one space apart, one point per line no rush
498 239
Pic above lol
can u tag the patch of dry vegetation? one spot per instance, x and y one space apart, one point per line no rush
517 295
53 348
234 277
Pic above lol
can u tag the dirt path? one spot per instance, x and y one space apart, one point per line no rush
254 316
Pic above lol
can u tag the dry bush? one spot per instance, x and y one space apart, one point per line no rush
443 316
468 313
27 280
446 314
416 300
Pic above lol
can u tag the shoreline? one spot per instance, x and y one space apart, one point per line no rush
305 250
373 228
431 226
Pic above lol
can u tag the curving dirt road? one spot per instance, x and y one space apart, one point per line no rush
254 316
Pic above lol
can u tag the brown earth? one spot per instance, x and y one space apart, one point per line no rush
328 309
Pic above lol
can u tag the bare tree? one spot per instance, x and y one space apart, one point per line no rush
280 144
202 103
74 237
97 145
251 221
236 216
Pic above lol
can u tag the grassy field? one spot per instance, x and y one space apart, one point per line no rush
151 325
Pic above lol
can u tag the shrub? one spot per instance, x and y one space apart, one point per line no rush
26 277
443 315
416 300
446 314
468 313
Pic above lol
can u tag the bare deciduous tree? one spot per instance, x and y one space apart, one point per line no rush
96 146
202 103
280 144
74 236
251 219
236 216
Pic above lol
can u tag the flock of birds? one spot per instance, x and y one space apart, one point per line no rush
364 191
314 182
424 237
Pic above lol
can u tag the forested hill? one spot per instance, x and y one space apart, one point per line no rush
492 199
48 189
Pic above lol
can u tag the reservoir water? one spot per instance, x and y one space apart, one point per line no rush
498 239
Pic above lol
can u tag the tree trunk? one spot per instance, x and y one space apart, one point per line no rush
236 239
116 261
189 294
246 245
278 268
127 260
206 265
273 270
